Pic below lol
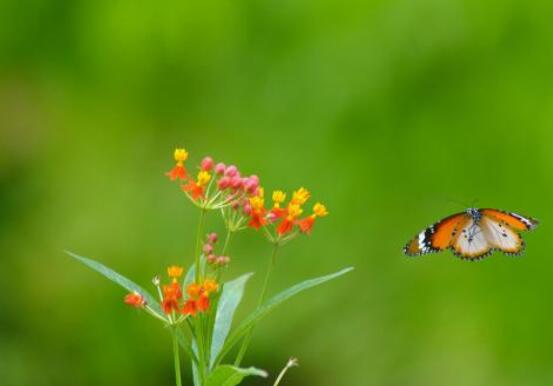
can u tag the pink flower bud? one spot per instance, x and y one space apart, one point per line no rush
211 259
251 185
236 182
247 208
255 178
231 171
271 217
223 183
212 238
207 164
208 248
223 260
220 168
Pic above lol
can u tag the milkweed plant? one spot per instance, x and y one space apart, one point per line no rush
198 306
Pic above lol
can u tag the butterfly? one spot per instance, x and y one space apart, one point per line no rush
473 234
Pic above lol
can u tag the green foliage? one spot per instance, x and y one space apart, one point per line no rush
227 375
230 299
128 284
271 304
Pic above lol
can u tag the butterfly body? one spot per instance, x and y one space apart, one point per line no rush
473 234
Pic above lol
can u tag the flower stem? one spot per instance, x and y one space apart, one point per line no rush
248 336
198 252
178 379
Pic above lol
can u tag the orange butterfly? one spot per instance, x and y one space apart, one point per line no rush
473 234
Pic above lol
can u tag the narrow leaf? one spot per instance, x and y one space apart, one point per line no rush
230 299
186 345
227 375
119 279
272 303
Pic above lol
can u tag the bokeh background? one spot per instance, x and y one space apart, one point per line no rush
394 113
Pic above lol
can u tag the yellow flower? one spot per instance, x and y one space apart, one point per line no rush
278 198
203 178
180 155
300 196
174 271
294 211
319 210
257 202
210 286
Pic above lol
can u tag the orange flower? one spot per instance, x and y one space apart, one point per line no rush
196 189
189 308
210 286
174 271
319 210
194 290
172 291
134 299
286 226
202 303
258 211
169 305
179 171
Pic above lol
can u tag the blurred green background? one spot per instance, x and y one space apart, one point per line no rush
394 113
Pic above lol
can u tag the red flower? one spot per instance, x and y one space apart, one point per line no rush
170 304
195 190
202 303
306 224
189 308
285 226
134 299
257 219
178 172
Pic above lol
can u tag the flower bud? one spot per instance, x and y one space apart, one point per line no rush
207 164
247 208
208 248
212 238
231 171
223 183
211 259
155 280
251 185
236 182
220 168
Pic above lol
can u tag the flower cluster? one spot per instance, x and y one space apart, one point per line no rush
284 218
173 301
209 249
216 186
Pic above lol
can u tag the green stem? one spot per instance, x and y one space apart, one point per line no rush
178 379
248 337
198 253
201 348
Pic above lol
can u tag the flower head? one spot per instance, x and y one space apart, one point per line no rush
134 299
174 272
306 225
179 171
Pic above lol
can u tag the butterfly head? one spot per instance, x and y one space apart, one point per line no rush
474 213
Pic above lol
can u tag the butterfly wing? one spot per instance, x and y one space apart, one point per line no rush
473 242
438 236
501 236
515 221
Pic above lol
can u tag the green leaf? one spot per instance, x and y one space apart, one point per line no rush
191 273
186 345
227 375
119 279
272 303
230 299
